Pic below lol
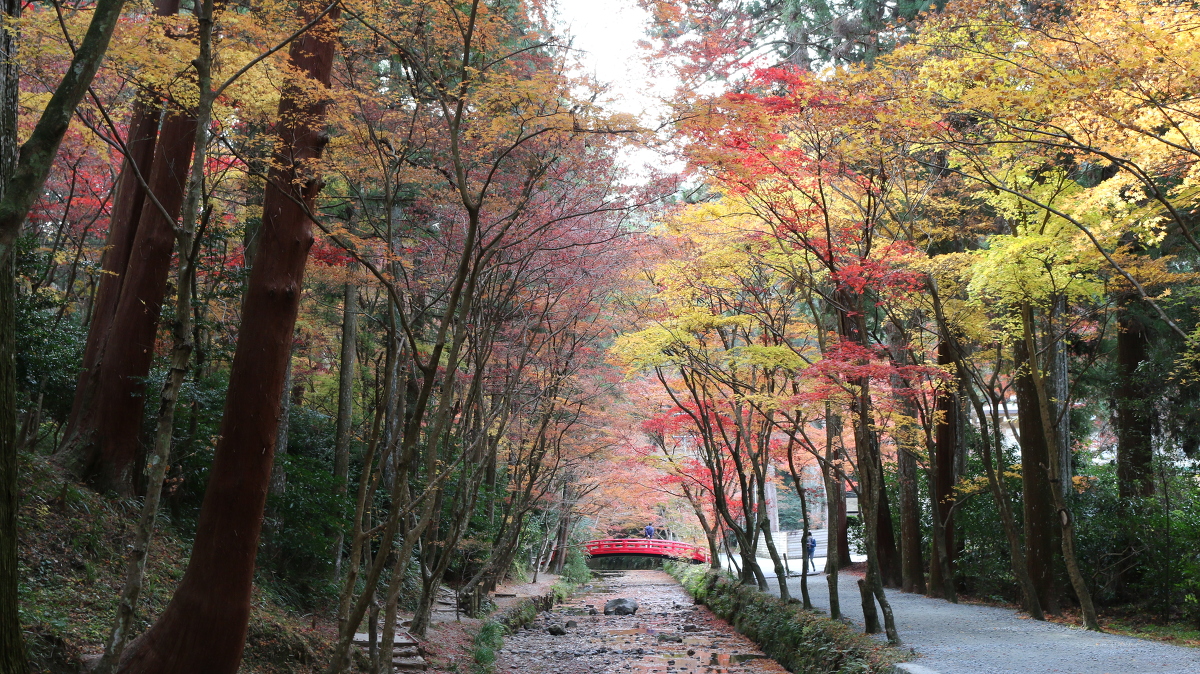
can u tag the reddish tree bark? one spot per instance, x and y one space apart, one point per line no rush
106 441
80 450
203 629
127 206
129 352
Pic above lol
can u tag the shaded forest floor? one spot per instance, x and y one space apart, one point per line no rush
72 556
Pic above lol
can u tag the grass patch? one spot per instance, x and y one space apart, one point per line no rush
802 641
1173 633
488 640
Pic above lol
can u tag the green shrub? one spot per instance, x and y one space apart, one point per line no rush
802 641
576 571
488 640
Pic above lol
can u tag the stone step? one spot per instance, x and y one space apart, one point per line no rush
401 640
415 664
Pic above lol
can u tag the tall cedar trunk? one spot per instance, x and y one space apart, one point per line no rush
21 181
108 439
945 442
841 530
127 205
1135 475
1035 485
12 649
158 462
1062 513
130 194
203 628
1059 390
912 569
889 554
912 565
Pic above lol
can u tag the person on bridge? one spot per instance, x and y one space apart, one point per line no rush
650 530
810 549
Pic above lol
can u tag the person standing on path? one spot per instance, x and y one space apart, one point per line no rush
810 549
650 530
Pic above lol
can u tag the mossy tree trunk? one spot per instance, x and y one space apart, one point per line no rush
22 175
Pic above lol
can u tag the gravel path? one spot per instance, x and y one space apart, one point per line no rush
972 639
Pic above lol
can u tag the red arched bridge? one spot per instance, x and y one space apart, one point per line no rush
646 547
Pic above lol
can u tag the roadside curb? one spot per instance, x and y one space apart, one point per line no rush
910 668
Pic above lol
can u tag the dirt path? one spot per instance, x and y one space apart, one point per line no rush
973 639
668 633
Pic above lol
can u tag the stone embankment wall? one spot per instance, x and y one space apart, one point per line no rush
802 641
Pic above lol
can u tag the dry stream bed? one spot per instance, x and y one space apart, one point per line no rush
668 634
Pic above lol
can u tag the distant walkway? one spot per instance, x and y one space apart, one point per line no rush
971 639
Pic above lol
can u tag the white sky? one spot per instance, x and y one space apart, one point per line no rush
606 33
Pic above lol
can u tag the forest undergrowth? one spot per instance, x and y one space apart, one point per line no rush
72 564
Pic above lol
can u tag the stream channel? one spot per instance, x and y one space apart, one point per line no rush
668 634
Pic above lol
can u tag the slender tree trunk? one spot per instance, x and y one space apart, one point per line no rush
1035 491
835 495
773 551
36 157
945 449
1058 390
21 182
870 465
203 628
345 412
798 482
995 472
1065 519
710 529
278 485
159 460
941 491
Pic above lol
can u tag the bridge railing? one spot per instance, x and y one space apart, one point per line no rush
645 546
